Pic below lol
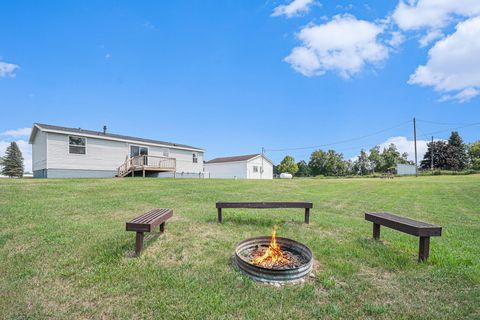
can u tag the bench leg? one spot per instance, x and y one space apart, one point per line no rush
139 243
219 215
423 249
376 231
162 227
307 215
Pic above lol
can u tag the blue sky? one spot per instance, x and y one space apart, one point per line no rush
233 76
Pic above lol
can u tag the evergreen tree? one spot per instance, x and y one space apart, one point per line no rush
288 165
440 149
12 162
457 158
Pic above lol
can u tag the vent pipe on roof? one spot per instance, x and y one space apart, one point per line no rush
104 129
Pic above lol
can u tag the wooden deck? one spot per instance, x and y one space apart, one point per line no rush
146 164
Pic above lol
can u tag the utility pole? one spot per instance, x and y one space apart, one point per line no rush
415 142
431 155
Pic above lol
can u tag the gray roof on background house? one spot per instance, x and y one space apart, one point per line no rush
100 134
236 158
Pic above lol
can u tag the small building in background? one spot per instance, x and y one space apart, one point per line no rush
251 166
405 169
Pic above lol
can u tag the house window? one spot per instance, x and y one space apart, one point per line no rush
77 145
255 168
165 152
136 151
195 159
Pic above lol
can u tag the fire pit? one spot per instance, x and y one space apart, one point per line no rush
273 259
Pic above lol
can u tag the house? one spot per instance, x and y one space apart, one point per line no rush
251 166
61 152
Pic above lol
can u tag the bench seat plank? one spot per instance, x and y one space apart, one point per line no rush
264 205
420 229
150 220
406 225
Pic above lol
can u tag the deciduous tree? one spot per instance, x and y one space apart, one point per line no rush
474 153
288 165
361 166
303 169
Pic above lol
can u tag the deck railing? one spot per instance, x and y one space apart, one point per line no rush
146 162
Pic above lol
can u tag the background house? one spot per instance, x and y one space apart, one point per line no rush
251 166
60 152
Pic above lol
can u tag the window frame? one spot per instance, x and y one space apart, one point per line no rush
165 151
139 147
194 158
70 145
255 169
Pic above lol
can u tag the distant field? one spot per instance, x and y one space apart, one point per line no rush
64 251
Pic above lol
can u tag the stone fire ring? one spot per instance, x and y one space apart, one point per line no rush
261 274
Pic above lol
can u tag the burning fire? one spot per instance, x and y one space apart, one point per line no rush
273 256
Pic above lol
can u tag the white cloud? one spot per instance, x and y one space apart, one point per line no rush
21 132
293 9
432 14
397 39
24 147
7 69
430 37
108 56
463 96
452 64
344 7
408 146
344 44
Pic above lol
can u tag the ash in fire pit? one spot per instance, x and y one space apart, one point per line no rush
272 259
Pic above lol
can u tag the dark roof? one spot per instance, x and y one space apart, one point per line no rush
111 135
235 158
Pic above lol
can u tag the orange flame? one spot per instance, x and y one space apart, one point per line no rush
273 255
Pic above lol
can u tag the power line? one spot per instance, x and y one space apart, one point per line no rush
461 127
442 123
341 141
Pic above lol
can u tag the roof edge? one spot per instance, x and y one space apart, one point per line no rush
106 137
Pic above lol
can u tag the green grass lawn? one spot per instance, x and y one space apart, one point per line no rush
64 251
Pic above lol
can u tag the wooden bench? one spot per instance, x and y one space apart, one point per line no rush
416 228
147 222
265 205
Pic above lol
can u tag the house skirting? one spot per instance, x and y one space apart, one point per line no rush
73 173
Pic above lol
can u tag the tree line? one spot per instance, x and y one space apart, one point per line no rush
453 154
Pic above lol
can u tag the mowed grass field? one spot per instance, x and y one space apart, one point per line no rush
64 251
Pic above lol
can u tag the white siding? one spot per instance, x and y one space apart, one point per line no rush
39 151
267 169
227 170
104 154
185 160
240 169
405 169
101 154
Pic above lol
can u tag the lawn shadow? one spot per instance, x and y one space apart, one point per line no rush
385 254
148 240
